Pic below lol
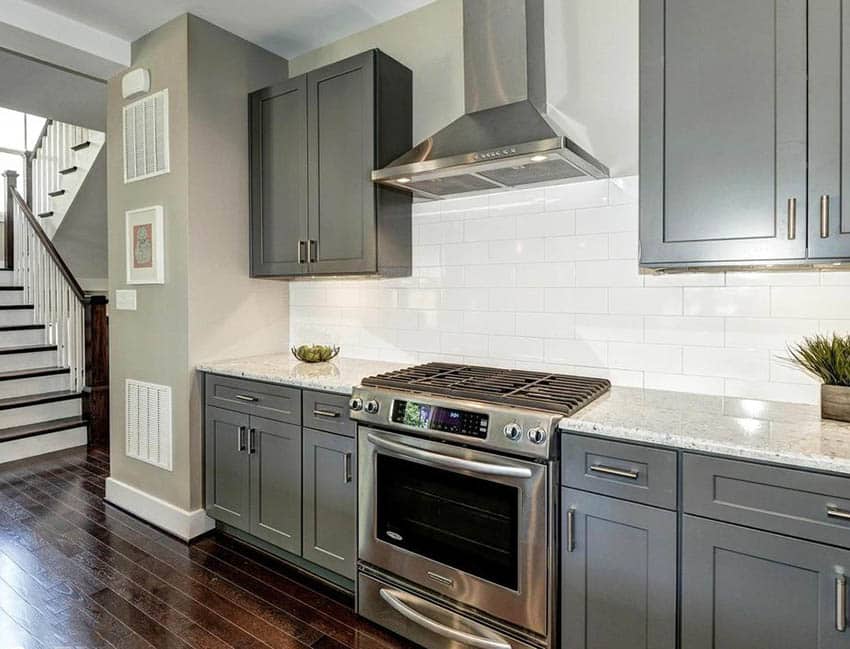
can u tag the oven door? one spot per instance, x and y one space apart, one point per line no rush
467 524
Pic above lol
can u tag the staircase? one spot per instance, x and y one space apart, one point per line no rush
43 335
59 163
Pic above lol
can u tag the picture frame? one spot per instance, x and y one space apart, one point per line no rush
145 245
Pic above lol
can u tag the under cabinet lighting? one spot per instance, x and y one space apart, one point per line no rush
402 181
539 158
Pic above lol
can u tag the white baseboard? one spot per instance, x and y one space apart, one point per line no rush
183 524
19 449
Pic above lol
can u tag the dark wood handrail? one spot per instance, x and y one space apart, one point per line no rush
48 244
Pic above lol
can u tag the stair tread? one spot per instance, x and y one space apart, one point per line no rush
58 192
44 215
42 428
12 307
28 327
68 170
12 375
27 349
81 146
11 288
38 399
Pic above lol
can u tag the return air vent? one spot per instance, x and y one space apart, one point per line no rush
149 423
146 137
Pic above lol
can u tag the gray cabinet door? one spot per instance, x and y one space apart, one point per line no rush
618 574
279 179
330 501
341 141
227 467
722 131
745 589
275 450
829 106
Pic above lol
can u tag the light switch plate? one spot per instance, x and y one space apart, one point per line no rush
125 300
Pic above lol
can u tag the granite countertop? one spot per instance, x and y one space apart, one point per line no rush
747 428
339 375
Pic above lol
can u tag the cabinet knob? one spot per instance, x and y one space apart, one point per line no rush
372 407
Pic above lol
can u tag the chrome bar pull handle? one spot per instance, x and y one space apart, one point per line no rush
325 413
346 468
245 397
571 533
841 603
240 439
252 441
792 219
834 512
313 248
824 216
610 470
302 247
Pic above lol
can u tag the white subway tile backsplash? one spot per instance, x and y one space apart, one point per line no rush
549 280
646 301
727 301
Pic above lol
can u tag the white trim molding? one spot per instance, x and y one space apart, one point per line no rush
19 449
183 524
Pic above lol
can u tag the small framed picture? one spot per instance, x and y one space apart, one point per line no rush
145 246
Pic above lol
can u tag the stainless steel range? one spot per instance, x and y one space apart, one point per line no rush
457 502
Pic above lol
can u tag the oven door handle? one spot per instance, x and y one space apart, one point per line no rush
391 598
448 461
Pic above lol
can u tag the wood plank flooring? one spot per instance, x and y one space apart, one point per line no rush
76 572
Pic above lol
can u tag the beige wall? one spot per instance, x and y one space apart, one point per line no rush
591 70
208 308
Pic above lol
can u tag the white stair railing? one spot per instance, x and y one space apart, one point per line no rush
52 154
57 299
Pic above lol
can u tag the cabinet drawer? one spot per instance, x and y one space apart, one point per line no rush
637 473
328 412
789 501
278 402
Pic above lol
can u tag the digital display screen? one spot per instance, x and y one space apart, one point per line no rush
449 420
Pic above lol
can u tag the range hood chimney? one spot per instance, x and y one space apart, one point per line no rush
505 138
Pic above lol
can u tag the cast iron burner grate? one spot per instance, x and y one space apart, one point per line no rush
538 390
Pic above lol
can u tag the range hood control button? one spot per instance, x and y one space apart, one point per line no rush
372 407
513 431
537 436
356 403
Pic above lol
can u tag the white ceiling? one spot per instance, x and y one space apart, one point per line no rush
286 27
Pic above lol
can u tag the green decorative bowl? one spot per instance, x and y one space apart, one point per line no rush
315 353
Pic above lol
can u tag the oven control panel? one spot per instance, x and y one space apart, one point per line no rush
447 420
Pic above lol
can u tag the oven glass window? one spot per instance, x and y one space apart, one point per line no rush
467 523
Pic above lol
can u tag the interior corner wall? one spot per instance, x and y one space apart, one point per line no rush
151 343
230 314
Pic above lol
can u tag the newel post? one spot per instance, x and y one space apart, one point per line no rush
9 252
96 394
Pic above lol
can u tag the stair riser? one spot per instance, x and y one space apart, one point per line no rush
31 446
36 414
37 385
28 360
15 317
11 297
22 337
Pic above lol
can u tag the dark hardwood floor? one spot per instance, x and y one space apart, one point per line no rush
77 572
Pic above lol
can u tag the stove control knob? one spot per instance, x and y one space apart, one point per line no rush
356 403
537 435
513 431
372 407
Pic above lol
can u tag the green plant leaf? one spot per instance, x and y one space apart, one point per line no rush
825 357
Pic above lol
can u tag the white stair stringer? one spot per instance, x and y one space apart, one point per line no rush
55 154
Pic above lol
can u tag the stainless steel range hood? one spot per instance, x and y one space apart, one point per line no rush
505 139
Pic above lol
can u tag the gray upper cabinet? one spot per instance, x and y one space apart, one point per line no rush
279 178
829 110
315 141
330 499
746 589
275 450
227 467
723 131
618 574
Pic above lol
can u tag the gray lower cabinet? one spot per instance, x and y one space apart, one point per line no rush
330 498
315 140
747 589
723 131
275 450
227 467
618 574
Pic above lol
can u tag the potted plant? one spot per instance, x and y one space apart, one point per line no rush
827 358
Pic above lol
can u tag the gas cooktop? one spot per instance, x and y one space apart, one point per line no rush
546 391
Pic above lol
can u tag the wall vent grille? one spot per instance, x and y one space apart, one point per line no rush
146 137
149 423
